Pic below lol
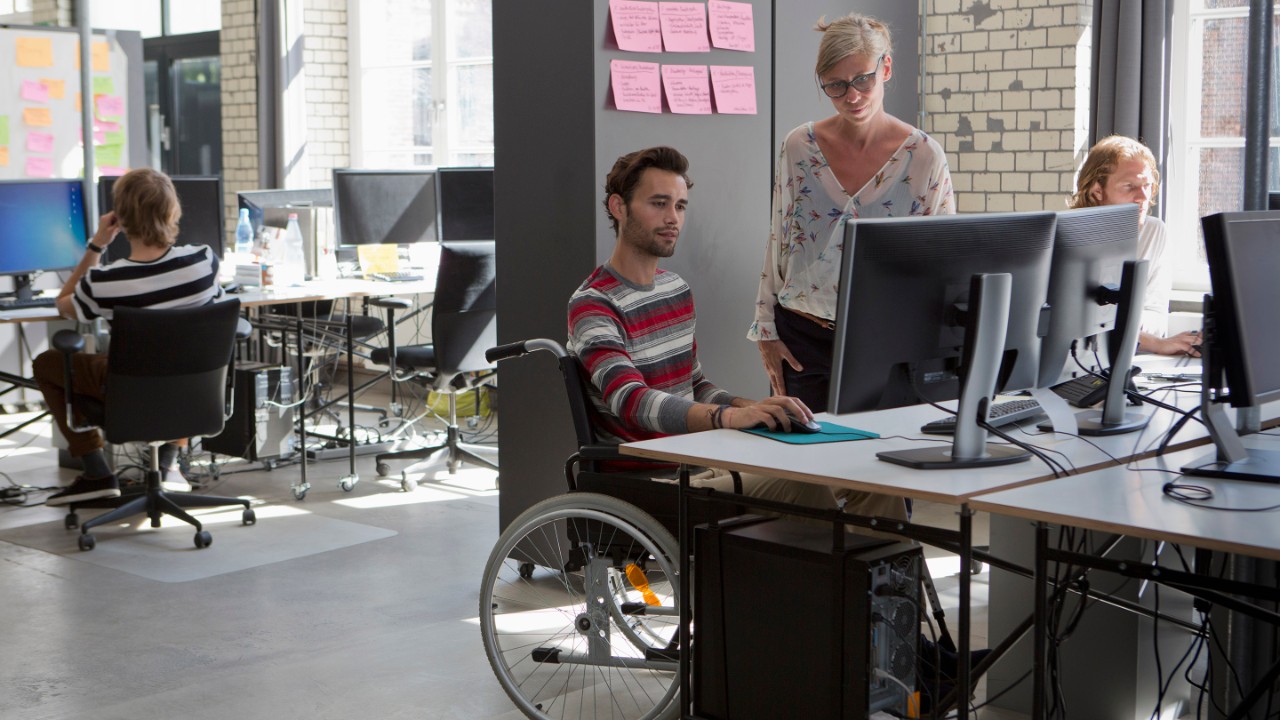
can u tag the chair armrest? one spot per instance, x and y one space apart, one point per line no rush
243 329
67 342
394 303
605 452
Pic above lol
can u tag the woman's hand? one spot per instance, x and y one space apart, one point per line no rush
774 353
108 228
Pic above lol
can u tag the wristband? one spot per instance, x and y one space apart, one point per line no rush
717 421
93 248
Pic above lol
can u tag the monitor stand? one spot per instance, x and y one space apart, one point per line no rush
988 323
21 288
1231 459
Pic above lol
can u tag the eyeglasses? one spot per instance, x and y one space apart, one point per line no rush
862 83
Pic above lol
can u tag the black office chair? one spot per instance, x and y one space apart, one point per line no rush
168 377
463 325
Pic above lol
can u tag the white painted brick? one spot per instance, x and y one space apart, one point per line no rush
999 202
971 203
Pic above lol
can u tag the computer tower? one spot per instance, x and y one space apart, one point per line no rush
787 626
259 429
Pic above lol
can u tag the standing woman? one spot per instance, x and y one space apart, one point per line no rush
859 163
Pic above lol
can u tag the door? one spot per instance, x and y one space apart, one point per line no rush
183 75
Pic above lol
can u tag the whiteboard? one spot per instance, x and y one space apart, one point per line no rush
40 98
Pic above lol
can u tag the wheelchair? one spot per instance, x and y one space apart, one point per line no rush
579 599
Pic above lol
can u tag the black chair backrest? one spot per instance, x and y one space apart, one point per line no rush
167 371
464 311
575 384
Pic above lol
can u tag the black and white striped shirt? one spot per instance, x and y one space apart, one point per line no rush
185 276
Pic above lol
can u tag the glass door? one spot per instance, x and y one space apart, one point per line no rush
183 76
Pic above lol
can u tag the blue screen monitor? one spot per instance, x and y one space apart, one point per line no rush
42 229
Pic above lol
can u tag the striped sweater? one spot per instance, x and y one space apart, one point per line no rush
637 345
185 276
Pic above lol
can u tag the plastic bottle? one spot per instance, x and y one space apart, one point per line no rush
244 236
266 261
291 264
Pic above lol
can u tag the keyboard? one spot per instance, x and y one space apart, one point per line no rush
397 276
26 303
1001 413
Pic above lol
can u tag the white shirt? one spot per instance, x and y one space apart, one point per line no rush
1152 239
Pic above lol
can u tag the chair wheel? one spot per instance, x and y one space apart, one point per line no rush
71 521
248 517
203 539
86 542
526 570
300 491
406 484
384 470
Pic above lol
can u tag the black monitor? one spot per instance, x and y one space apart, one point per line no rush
465 202
927 303
202 220
1273 201
385 207
1242 337
43 228
1095 297
268 207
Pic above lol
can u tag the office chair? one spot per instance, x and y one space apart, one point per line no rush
463 325
168 377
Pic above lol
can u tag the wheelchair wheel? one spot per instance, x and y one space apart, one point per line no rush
591 631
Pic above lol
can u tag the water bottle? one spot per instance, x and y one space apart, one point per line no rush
244 236
291 266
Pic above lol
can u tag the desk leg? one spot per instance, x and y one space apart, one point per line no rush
351 398
302 406
1040 579
964 688
685 544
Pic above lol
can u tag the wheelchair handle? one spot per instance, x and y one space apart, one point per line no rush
524 347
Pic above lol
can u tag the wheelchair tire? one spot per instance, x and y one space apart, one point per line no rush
560 651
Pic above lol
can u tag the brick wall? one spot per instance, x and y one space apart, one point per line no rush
237 43
58 13
1003 78
328 103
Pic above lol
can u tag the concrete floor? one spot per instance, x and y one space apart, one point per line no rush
383 629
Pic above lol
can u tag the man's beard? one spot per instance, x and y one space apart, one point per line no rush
646 240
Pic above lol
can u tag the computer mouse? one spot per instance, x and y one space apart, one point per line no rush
807 428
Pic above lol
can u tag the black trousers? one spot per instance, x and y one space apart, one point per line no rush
812 345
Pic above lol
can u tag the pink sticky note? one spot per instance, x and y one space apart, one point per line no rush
34 91
107 171
39 142
636 25
106 126
636 86
40 167
688 89
684 27
109 105
735 88
732 26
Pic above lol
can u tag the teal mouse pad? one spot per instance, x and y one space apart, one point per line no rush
830 433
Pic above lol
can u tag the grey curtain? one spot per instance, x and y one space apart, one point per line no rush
1130 88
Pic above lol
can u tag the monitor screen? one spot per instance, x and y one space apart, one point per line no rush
202 221
1243 249
258 202
42 227
1090 247
385 207
904 285
466 203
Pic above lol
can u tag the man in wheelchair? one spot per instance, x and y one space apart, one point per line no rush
631 324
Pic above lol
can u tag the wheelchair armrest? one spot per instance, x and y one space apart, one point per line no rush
604 452
67 342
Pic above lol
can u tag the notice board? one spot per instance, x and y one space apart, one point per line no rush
40 101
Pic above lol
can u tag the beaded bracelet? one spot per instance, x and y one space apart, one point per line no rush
716 419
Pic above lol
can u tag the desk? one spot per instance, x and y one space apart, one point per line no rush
854 465
1131 502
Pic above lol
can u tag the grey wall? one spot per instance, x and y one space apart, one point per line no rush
557 135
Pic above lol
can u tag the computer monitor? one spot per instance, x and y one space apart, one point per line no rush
1095 296
202 220
465 202
938 308
43 228
385 207
1242 337
259 202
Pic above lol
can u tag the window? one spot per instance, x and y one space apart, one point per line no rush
421 82
148 16
1207 102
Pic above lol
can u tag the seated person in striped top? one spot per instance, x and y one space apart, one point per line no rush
156 274
632 326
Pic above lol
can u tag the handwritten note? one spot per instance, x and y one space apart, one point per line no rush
34 91
57 88
636 86
735 88
106 171
108 154
104 85
636 25
35 52
100 56
39 142
109 105
684 26
4 156
4 129
106 125
732 26
39 167
688 89
37 116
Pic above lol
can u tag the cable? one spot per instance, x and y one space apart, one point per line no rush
1057 469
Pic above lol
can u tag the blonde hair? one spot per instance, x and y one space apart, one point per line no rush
851 34
1103 158
147 206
